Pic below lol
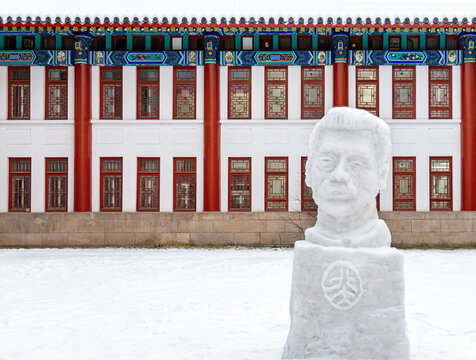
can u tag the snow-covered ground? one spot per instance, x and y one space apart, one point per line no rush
201 304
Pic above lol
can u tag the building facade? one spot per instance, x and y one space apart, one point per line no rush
194 116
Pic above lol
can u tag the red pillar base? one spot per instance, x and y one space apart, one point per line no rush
341 84
211 156
468 137
82 138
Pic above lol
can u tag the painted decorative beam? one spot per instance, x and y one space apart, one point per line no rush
388 57
37 57
134 58
274 58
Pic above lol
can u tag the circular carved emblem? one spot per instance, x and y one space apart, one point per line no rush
342 285
229 57
192 57
61 57
452 56
359 56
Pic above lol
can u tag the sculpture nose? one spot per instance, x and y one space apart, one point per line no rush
340 174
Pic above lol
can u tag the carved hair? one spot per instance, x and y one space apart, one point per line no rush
349 119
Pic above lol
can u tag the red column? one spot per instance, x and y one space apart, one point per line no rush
341 84
211 195
82 138
468 137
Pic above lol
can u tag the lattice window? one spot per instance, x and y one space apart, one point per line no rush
111 184
19 198
19 93
184 92
56 93
440 92
404 183
111 93
441 183
404 92
147 92
276 178
312 99
307 202
239 92
148 184
239 171
276 92
367 89
185 181
56 184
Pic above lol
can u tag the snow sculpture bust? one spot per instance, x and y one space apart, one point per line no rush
349 155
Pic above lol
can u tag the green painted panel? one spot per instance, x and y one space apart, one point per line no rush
275 42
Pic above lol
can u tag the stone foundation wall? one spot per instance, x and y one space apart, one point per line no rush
176 229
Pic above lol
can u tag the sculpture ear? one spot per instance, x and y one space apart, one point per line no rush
308 176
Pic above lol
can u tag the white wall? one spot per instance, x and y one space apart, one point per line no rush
167 138
36 138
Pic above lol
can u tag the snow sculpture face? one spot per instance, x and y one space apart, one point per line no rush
347 166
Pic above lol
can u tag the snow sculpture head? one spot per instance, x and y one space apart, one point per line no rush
348 161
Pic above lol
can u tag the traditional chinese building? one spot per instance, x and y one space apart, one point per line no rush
208 115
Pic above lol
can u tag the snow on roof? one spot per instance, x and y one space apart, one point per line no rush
243 11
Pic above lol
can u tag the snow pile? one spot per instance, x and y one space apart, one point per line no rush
201 304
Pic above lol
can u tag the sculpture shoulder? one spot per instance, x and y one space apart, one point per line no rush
374 233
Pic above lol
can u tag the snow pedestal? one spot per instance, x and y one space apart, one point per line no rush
347 304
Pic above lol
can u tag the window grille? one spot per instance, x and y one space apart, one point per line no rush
304 42
184 92
111 93
56 184
111 184
441 183
239 92
404 92
367 89
440 94
148 183
404 174
312 100
307 202
276 92
19 93
239 172
185 180
19 198
148 92
56 93
276 192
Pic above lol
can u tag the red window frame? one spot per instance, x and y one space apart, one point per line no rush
190 175
433 37
360 81
410 84
437 111
191 85
379 38
224 40
269 199
414 37
138 43
52 101
310 110
411 198
304 38
239 185
307 202
263 39
148 197
268 84
157 43
434 200
115 39
65 44
20 173
44 40
452 37
281 46
56 184
197 47
148 101
245 85
116 114
18 94
116 191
